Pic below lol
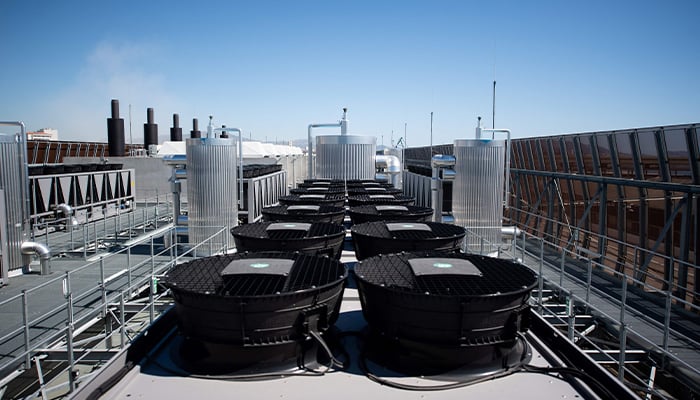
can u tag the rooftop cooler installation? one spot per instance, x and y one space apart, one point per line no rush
343 156
310 238
246 311
304 213
433 312
374 238
384 212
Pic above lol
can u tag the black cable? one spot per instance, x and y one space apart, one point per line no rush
246 377
571 372
329 353
377 379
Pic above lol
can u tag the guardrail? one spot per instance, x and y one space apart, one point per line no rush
63 237
578 291
77 298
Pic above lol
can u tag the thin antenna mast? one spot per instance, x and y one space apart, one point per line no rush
493 113
431 134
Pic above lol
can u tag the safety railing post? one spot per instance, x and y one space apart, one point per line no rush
540 278
122 321
570 316
667 310
25 321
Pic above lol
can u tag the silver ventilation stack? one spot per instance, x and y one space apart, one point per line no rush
211 189
478 193
345 156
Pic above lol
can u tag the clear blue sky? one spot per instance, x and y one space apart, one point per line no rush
272 67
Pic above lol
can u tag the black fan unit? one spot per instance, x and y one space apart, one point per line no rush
439 310
245 309
326 199
311 238
305 213
386 212
368 199
374 238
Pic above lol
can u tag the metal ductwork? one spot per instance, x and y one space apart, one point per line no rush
211 188
40 250
67 211
479 186
392 167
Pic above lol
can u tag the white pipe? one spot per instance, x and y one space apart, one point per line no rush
42 251
392 164
343 124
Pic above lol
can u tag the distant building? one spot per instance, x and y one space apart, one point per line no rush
43 134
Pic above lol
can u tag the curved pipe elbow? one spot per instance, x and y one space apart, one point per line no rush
65 209
36 248
391 163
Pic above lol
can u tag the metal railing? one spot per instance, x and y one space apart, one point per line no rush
63 237
70 303
636 329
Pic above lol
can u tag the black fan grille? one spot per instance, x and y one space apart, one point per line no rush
410 211
498 276
284 211
313 190
259 230
298 199
363 199
380 230
203 276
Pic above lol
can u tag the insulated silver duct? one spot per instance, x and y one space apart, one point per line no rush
478 191
211 188
67 211
343 124
40 250
345 157
392 167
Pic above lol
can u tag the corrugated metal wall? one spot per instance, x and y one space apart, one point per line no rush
13 182
478 191
212 190
345 157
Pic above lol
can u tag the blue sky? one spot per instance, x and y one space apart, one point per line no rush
272 67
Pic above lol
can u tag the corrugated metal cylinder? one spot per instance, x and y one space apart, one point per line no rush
13 179
345 157
478 191
211 189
